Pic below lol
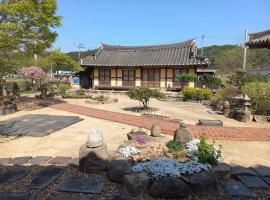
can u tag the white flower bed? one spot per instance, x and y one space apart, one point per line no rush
128 151
165 167
192 149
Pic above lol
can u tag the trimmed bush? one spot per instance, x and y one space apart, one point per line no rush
144 94
62 90
196 93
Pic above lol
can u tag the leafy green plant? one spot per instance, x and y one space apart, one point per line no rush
175 146
62 90
207 152
144 94
101 98
187 78
196 93
211 81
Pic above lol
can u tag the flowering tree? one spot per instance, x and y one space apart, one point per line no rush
34 74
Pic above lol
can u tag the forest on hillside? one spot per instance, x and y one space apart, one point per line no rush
225 58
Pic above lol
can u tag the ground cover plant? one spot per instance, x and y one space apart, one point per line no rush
175 146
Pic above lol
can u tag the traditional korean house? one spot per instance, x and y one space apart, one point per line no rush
259 40
123 67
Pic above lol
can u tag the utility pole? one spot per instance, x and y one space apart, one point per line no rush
202 44
79 46
245 50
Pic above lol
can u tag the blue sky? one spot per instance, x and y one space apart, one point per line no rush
144 22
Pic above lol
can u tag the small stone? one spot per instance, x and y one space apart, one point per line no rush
156 130
183 135
169 187
60 160
137 183
82 184
203 183
237 189
39 160
4 161
118 169
94 139
253 182
93 159
20 160
223 171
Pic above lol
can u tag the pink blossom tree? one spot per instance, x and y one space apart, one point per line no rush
34 74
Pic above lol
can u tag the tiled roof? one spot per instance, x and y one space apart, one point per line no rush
178 54
259 39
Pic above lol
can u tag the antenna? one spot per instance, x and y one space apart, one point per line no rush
79 46
202 44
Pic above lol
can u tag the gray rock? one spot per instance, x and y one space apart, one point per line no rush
203 182
13 175
222 171
240 170
261 170
253 182
82 184
206 122
39 160
4 161
236 189
260 118
156 130
94 139
60 160
169 188
183 135
137 183
242 116
20 160
93 159
118 169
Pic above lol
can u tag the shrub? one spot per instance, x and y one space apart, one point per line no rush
196 93
101 98
207 152
259 93
211 81
62 90
187 78
144 94
175 146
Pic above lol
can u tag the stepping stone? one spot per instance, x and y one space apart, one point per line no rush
222 170
206 122
239 170
14 196
59 160
69 198
266 179
82 184
261 170
39 160
236 188
74 162
20 160
253 182
45 177
4 161
13 175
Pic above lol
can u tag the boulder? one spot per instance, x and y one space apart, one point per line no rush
203 182
156 130
242 116
260 118
93 159
137 183
169 187
183 135
183 124
95 138
117 169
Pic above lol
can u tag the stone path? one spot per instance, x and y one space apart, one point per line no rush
211 132
238 184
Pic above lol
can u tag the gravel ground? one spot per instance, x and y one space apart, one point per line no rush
110 189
